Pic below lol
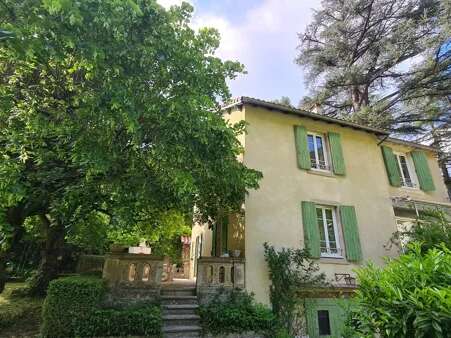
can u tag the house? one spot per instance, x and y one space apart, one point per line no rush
340 187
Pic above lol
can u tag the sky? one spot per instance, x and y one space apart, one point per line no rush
262 35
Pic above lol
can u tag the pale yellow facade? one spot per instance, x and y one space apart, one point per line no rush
273 212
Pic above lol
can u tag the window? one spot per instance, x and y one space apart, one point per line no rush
324 323
328 231
407 179
317 150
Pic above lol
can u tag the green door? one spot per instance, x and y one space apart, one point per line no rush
325 317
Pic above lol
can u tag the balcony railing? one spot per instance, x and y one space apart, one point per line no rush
321 165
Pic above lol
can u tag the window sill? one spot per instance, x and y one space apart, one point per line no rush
321 172
409 188
334 260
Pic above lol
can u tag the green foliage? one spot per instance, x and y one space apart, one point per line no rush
72 309
432 230
144 321
409 297
236 312
70 302
290 270
110 119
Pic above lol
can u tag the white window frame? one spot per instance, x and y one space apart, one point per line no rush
325 150
410 169
339 253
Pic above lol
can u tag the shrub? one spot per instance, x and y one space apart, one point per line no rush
70 302
144 321
236 312
72 309
409 297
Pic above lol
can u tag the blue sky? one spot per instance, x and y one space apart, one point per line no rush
263 35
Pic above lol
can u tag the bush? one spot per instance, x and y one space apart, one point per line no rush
69 303
72 309
236 312
409 297
144 321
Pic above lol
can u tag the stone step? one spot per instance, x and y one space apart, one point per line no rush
165 300
181 320
181 309
181 331
187 291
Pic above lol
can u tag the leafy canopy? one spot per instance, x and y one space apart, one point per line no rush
112 107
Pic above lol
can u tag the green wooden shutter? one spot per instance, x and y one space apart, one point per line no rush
391 164
422 169
350 233
311 318
302 153
224 234
336 153
213 241
311 231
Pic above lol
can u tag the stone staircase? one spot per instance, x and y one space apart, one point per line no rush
179 306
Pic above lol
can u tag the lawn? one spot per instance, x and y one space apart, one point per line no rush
19 316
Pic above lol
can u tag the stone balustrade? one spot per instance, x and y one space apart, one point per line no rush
90 263
133 270
215 273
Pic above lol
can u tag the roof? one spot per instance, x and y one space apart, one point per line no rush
383 134
411 144
303 113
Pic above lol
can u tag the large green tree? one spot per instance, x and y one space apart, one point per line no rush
110 108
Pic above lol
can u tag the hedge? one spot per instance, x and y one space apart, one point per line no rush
72 309
70 301
144 321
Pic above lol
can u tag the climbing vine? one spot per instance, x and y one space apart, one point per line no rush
290 271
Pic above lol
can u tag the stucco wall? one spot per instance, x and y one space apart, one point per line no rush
199 230
273 213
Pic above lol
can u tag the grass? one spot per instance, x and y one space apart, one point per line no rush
19 316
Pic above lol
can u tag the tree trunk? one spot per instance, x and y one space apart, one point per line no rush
50 253
15 218
2 271
355 96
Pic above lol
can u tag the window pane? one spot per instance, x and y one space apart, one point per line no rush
311 149
331 231
405 170
323 323
320 147
319 217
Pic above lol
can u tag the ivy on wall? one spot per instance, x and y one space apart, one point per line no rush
291 270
